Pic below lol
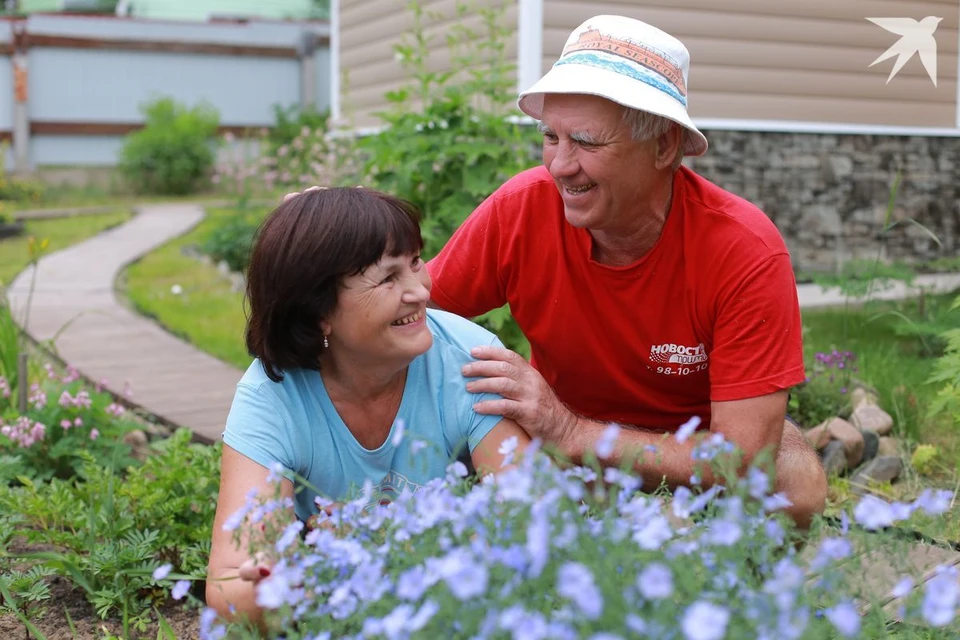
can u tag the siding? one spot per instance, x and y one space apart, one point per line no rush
369 31
804 60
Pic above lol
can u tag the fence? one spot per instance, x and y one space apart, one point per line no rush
72 86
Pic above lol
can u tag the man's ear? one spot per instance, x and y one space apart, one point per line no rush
669 146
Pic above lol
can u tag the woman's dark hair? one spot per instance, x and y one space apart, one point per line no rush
304 249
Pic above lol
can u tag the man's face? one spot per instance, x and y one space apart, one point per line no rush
603 175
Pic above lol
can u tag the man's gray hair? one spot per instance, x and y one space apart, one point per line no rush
649 126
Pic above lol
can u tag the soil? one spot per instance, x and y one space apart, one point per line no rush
66 599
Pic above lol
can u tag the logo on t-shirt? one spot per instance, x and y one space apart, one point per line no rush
392 485
670 353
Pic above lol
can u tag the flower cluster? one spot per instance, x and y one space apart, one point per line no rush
824 394
50 438
549 551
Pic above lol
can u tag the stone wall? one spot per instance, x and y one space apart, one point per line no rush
829 193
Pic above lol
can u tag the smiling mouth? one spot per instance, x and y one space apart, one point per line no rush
581 189
416 317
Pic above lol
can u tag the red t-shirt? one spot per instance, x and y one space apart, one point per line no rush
709 314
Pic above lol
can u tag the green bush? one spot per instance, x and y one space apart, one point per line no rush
290 122
232 241
110 529
173 153
826 391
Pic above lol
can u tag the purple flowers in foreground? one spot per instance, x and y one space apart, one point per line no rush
548 552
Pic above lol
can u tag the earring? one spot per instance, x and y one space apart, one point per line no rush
326 343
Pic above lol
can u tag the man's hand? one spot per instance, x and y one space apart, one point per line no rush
527 398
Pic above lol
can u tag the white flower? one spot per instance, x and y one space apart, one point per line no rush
176 290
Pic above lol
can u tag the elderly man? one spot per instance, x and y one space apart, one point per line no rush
648 294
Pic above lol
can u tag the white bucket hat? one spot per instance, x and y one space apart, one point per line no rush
627 61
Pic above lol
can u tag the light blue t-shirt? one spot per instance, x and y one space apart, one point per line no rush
293 422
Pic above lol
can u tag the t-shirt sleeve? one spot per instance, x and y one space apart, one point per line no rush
467 273
258 427
757 348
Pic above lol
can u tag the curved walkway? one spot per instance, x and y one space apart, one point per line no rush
75 303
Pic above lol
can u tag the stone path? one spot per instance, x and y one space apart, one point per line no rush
75 303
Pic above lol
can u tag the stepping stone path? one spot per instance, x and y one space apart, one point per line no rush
75 304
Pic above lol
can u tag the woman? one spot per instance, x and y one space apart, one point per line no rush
347 355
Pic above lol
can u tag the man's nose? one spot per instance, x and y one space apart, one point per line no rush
564 161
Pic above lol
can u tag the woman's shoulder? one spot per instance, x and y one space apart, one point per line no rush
453 332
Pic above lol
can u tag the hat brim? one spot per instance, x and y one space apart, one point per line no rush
569 79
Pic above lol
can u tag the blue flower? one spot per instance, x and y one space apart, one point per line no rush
655 582
575 583
758 483
289 536
873 513
934 502
845 618
653 534
830 551
722 533
162 571
687 429
180 589
522 624
607 441
207 630
705 621
940 597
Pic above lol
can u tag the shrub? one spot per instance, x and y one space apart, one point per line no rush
112 529
825 393
545 551
290 122
232 240
946 374
173 153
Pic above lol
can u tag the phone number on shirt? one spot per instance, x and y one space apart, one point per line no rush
681 371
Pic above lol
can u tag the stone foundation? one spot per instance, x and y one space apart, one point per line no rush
828 193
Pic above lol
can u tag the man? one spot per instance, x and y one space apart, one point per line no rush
648 294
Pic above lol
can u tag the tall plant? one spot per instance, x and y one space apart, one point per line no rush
449 140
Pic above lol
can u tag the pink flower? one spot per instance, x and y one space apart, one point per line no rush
78 422
115 409
94 433
83 400
51 374
65 399
66 424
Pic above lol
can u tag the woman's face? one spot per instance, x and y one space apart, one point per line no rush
381 312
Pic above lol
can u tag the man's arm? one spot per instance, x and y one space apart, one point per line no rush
753 425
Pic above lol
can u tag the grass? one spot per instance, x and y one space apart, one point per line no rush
207 313
60 232
895 344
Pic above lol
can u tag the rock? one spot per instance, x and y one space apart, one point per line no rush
834 458
889 447
861 398
139 442
850 436
880 469
872 418
871 445
818 437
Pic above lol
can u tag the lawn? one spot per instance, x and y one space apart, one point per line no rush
60 232
190 298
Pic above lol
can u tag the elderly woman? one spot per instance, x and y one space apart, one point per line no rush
347 356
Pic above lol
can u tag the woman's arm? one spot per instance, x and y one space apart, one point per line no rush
486 456
232 574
